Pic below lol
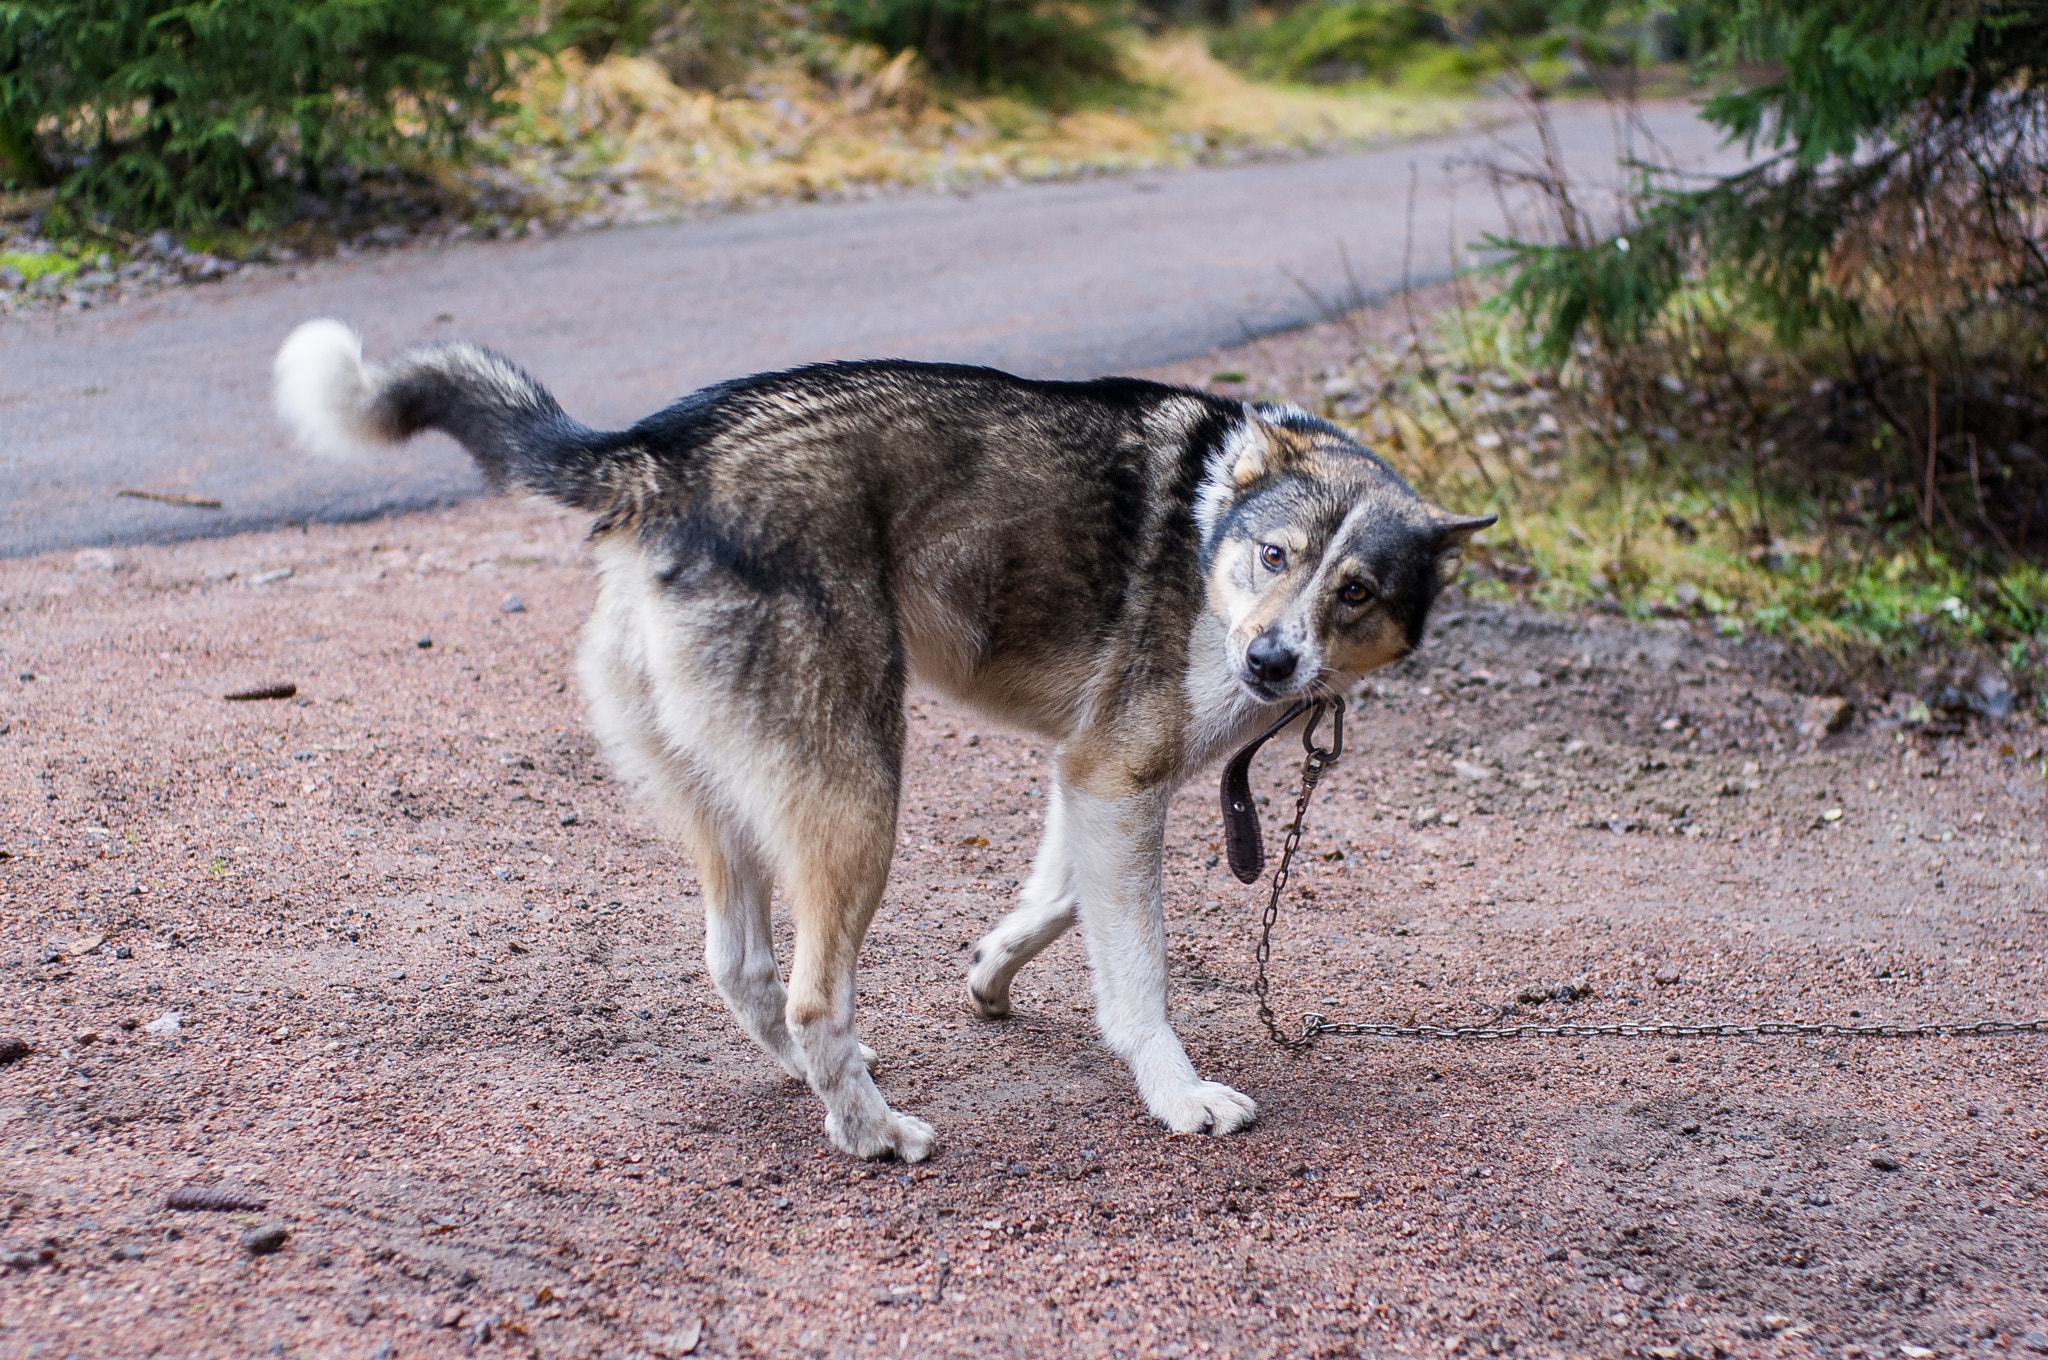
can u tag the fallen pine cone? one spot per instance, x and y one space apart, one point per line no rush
262 692
212 1197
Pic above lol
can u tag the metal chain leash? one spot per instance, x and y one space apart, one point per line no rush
1314 1025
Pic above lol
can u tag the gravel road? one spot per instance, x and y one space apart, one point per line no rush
395 959
170 393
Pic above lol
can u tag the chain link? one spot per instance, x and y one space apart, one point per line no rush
1314 1025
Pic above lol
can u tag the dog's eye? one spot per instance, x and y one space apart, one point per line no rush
1358 592
1274 556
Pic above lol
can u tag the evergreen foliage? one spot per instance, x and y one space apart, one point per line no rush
1905 170
1046 49
216 112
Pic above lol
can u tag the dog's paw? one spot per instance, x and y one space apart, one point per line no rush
904 1137
870 1057
988 994
1205 1107
988 1005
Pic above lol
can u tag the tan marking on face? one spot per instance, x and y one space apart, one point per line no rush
1292 538
1368 646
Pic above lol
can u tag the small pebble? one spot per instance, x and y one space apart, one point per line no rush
122 951
424 643
1668 975
266 1239
167 1025
2036 1341
512 604
1884 1163
13 1049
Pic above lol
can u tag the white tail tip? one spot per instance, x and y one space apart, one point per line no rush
323 391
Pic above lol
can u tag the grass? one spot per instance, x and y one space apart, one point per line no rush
33 267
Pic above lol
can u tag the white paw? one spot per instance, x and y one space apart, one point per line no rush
988 994
902 1136
1205 1107
988 1005
869 1056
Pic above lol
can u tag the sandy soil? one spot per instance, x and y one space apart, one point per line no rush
441 1006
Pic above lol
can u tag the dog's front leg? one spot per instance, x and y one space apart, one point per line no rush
1046 914
1116 844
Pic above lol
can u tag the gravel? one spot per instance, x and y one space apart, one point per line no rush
569 1143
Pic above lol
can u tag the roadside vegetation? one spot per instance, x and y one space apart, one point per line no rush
297 124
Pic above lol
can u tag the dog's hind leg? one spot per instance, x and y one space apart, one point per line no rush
1116 843
1046 913
834 870
739 942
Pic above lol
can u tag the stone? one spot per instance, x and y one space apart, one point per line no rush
13 1048
264 1240
684 1340
1883 1163
1824 716
512 604
168 1025
1669 976
2036 1341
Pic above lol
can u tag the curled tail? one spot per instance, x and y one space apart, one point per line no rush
337 405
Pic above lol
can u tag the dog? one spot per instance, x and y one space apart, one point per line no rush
1141 575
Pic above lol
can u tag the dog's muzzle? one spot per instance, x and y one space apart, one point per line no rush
1271 668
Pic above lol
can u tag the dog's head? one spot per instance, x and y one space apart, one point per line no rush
1319 559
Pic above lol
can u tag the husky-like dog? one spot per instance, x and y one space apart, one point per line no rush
1141 575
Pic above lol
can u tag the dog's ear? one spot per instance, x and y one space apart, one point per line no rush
1266 448
1451 533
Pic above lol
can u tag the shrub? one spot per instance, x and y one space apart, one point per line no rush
1893 234
1449 44
1041 48
156 112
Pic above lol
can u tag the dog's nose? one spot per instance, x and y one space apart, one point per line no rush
1270 659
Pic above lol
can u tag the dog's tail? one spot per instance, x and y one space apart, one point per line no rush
339 406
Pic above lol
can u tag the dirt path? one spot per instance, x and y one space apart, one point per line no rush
442 1006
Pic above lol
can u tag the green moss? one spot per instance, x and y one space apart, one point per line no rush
33 267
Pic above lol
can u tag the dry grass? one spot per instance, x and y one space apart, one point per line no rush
620 139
